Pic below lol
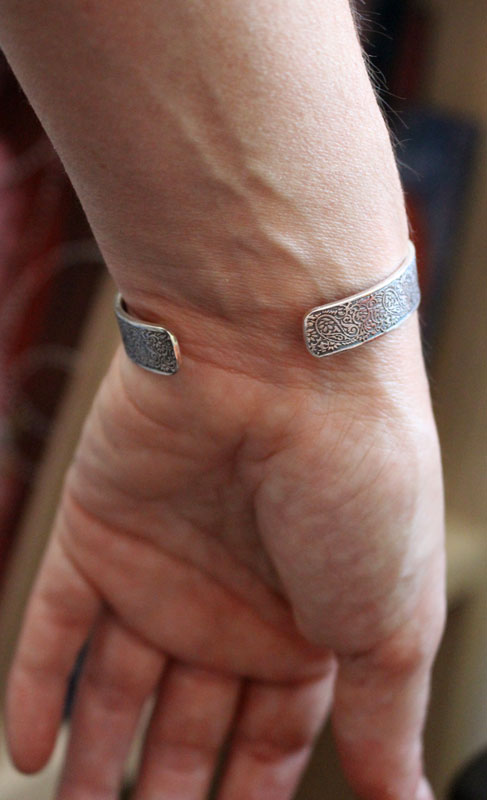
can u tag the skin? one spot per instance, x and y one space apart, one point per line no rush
256 541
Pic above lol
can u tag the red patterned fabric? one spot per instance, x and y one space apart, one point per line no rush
43 301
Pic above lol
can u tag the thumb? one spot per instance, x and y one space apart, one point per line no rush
379 711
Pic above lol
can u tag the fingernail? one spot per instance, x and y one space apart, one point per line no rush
425 792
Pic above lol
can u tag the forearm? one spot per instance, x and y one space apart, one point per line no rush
231 157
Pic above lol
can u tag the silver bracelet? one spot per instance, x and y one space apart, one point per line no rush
148 345
357 319
328 329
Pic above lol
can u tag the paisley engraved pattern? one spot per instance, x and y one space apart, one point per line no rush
151 348
348 323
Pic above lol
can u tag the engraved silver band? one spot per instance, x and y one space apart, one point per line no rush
357 319
327 329
148 345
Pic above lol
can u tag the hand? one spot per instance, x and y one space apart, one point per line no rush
250 554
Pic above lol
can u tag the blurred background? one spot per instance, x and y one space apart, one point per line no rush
57 334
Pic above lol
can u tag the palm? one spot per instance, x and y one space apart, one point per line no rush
200 529
159 516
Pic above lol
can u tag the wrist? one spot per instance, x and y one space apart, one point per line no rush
265 340
275 251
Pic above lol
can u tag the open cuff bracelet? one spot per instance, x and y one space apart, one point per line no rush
357 319
327 329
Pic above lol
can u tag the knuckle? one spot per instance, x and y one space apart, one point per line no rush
412 647
114 689
272 746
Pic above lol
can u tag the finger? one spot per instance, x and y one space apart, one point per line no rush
191 719
59 616
378 715
119 674
273 738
